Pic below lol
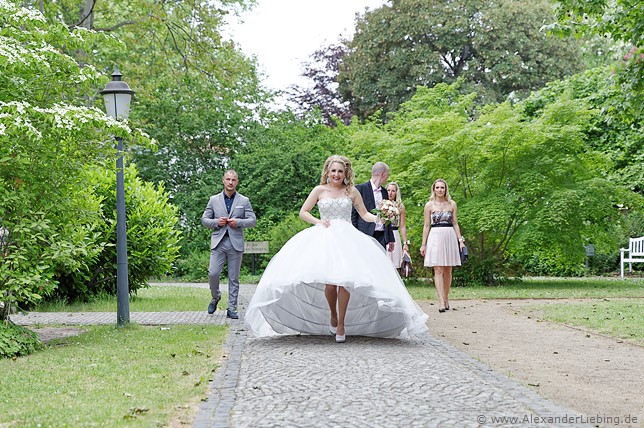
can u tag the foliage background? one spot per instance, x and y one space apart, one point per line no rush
541 155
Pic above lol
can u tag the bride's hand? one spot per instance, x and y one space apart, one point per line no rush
326 222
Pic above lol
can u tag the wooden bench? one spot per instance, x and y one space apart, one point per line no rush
635 252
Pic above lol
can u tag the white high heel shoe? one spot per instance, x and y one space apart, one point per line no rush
340 339
333 330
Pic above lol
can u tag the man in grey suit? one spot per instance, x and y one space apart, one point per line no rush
228 213
373 193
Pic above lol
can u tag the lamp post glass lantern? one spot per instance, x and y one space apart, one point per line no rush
117 96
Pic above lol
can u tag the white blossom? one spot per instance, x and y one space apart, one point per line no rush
17 13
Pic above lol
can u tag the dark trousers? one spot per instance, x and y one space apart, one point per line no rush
379 235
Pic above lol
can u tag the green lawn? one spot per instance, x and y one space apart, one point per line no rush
551 288
153 299
127 377
622 318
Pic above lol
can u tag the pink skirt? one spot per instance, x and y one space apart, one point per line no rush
442 248
397 254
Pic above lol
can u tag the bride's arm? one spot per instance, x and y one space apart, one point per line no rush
311 200
358 203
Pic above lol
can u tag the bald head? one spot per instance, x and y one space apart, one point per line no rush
379 168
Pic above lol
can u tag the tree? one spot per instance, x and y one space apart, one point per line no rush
527 186
195 92
610 132
282 160
619 20
323 95
496 47
47 139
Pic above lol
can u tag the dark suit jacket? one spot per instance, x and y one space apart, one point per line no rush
370 203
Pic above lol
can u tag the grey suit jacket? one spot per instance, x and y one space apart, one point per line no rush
241 210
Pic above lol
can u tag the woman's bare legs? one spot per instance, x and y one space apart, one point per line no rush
439 281
337 296
447 284
331 294
343 303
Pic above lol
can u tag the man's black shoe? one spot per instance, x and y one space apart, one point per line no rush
230 313
212 307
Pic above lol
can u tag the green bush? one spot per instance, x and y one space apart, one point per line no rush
17 341
152 238
193 266
290 226
549 263
603 264
40 239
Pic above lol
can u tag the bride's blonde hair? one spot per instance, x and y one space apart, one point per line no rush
348 170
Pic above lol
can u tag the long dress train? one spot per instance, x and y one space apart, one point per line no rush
290 296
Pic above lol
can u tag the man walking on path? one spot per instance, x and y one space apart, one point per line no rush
227 214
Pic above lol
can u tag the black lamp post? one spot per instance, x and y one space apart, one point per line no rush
118 95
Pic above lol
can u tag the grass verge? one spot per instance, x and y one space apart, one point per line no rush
128 377
152 299
550 288
623 318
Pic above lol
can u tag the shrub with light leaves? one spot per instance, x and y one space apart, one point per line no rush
50 133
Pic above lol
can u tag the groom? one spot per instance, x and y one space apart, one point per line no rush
373 193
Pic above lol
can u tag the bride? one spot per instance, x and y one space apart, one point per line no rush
332 278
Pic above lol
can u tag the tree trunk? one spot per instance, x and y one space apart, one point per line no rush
87 15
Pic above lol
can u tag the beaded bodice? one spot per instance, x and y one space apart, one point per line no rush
442 217
335 208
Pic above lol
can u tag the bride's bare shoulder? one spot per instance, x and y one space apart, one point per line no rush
318 190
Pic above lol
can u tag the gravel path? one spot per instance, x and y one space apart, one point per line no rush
590 373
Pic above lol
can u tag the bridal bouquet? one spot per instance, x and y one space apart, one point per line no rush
388 211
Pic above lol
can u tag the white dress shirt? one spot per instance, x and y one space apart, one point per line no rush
377 196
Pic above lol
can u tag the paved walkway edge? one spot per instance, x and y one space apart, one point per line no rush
216 409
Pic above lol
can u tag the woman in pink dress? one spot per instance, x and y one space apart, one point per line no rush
442 240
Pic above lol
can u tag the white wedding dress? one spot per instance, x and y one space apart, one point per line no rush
290 296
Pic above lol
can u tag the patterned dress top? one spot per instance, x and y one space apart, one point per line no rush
335 208
442 218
